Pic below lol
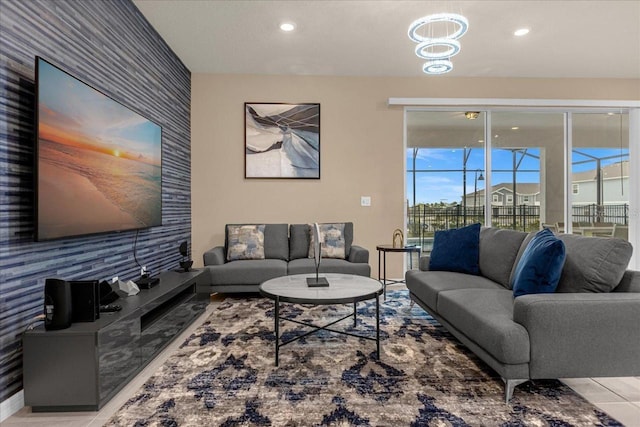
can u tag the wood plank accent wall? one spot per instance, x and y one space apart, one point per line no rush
109 45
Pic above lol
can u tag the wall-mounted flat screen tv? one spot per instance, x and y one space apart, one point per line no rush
98 163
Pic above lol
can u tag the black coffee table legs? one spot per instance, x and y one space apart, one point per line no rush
277 328
378 326
326 327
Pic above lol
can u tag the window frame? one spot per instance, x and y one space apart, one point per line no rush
565 106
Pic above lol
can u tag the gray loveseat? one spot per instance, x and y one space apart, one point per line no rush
286 250
590 327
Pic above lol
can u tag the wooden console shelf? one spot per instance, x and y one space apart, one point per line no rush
85 365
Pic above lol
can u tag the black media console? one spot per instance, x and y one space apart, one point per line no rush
82 367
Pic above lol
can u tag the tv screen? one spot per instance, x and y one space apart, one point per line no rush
98 163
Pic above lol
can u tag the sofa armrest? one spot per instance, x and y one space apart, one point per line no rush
358 254
424 262
577 335
214 256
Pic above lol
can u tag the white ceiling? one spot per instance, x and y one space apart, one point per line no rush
591 39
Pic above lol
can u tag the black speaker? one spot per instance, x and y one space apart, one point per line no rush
57 304
107 294
85 300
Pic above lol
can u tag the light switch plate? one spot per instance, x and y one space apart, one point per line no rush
365 201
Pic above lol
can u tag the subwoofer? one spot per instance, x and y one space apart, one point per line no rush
57 304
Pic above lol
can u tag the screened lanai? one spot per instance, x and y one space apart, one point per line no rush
508 169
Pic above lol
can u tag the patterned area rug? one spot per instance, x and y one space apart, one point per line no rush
224 375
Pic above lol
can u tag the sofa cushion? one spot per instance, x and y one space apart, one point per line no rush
456 250
331 239
247 272
485 316
245 242
498 250
348 238
328 265
593 264
630 282
300 240
276 241
427 285
539 269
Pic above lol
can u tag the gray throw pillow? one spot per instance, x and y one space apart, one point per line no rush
593 264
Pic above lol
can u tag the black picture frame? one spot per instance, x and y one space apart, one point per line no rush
282 141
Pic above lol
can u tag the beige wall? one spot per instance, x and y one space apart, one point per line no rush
361 148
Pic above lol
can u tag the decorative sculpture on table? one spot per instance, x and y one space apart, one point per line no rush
398 238
315 282
186 261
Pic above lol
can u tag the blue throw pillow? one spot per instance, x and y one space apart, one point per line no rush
456 250
538 270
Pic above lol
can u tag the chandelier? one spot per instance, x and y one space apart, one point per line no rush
437 49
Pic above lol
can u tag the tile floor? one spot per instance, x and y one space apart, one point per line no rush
618 397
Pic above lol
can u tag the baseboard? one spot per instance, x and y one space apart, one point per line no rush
11 405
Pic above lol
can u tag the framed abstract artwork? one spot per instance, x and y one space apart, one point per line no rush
282 140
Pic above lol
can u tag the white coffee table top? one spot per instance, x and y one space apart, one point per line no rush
342 289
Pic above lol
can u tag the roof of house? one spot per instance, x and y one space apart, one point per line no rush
522 188
612 171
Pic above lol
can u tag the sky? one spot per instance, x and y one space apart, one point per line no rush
444 182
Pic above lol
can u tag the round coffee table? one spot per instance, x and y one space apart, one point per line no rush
342 289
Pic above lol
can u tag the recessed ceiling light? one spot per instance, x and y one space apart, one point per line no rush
515 128
521 32
287 26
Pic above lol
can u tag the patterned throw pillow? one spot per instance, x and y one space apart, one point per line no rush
245 242
331 239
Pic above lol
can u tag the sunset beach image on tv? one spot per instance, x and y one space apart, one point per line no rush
98 162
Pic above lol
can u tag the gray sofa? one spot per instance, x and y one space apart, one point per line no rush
582 330
286 250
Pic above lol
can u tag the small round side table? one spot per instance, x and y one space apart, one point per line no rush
382 250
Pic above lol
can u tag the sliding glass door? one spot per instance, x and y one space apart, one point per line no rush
444 173
564 170
600 174
526 169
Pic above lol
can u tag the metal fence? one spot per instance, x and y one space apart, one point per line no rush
424 221
617 214
430 219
